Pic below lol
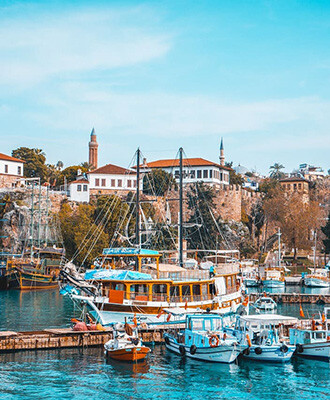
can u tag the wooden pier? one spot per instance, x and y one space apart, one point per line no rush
295 298
68 338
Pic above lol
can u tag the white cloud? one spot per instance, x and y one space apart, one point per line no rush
31 50
164 115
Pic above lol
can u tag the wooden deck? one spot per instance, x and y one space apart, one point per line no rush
67 338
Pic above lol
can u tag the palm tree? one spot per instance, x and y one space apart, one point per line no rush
276 171
59 165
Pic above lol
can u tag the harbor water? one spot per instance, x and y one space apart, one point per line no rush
85 374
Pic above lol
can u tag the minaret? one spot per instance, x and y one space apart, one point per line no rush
93 145
222 153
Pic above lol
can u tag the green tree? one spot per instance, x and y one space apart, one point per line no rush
158 182
326 231
35 159
70 173
275 172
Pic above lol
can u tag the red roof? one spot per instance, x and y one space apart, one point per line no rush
9 158
294 179
79 181
112 170
187 162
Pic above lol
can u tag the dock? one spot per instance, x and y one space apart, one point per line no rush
295 298
48 339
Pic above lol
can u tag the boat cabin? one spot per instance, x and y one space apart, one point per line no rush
306 336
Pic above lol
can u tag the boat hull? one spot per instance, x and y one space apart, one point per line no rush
131 354
251 282
30 281
226 354
314 350
270 353
273 284
315 282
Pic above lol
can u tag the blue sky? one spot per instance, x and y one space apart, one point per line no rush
165 74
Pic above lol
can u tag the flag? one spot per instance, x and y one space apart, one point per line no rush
186 305
168 317
323 318
160 314
302 312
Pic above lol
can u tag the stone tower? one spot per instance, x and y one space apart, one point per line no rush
93 146
222 153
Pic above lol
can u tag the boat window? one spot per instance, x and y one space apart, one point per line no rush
139 288
174 291
319 335
212 288
196 290
197 324
159 289
204 289
207 324
120 286
228 281
217 324
185 290
307 335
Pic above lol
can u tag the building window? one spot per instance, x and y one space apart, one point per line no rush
299 186
103 182
177 174
6 169
199 174
192 174
113 182
205 173
221 176
211 173
19 170
79 188
97 182
85 188
134 182
120 183
129 183
294 186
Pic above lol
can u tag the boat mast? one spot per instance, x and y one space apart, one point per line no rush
181 211
279 246
315 238
137 214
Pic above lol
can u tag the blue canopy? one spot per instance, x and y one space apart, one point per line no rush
111 274
130 251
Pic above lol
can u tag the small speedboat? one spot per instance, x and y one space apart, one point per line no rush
265 303
125 345
204 339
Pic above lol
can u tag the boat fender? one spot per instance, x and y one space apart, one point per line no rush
328 338
208 310
284 348
214 341
248 340
167 340
258 350
193 349
182 350
246 352
299 348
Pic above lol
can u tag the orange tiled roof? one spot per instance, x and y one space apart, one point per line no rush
79 181
9 158
294 179
187 162
112 170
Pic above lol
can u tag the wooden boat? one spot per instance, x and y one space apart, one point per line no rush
274 278
319 278
126 345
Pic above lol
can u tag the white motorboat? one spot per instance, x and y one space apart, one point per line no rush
264 336
265 303
204 339
319 278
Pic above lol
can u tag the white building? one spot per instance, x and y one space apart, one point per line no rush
194 170
79 190
112 179
310 172
11 169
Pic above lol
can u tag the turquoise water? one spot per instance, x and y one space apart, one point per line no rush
85 374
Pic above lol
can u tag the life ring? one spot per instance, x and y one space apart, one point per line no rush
214 341
284 348
182 350
299 348
258 350
193 349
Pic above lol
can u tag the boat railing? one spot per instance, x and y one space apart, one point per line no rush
189 275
